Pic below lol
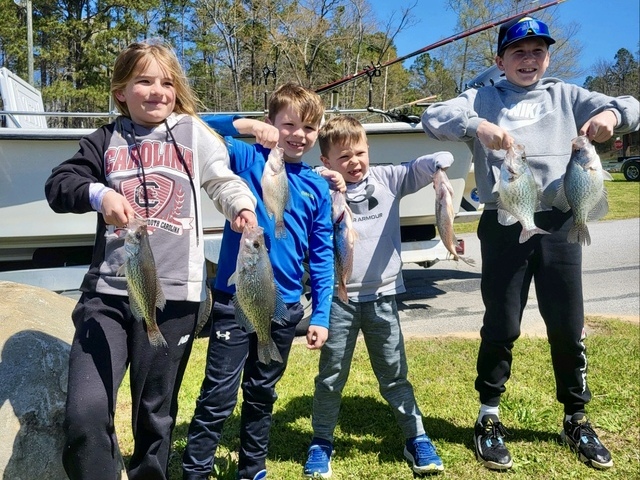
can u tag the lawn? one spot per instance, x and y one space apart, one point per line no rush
369 443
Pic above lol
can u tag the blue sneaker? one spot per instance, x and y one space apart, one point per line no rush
421 453
318 463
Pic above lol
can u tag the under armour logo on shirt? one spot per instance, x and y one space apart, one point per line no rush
225 335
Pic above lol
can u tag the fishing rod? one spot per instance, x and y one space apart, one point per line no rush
472 31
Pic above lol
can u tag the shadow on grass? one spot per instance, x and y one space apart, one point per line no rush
365 425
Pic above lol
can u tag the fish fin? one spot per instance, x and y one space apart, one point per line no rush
579 233
155 336
241 318
160 300
505 218
232 279
496 174
281 231
342 292
560 201
527 234
281 312
204 311
269 351
600 209
469 261
122 270
606 176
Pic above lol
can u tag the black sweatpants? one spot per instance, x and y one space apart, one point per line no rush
233 354
107 340
507 270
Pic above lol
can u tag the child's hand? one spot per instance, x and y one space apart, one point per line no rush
316 336
335 179
244 218
116 209
494 137
265 134
599 128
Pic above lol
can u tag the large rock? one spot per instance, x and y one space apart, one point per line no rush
35 337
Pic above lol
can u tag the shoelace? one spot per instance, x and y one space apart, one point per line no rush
424 449
496 430
585 430
317 454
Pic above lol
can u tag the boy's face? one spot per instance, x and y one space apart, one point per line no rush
525 62
296 137
351 161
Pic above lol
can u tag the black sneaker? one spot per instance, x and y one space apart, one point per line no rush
490 448
583 440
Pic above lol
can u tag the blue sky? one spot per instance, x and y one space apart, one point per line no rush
606 26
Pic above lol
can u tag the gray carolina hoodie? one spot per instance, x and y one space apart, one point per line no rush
543 117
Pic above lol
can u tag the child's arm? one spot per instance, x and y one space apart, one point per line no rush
265 134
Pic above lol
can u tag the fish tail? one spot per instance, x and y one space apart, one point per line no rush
526 234
281 231
268 351
579 233
469 261
155 336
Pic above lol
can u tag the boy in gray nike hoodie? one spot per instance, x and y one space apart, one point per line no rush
544 115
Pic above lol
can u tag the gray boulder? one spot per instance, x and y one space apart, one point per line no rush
35 337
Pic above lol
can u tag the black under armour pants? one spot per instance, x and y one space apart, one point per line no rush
507 270
232 357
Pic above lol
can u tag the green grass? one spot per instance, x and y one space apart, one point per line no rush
369 443
442 370
624 202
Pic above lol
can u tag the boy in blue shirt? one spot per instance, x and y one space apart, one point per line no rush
294 117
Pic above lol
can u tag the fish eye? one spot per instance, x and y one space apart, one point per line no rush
256 244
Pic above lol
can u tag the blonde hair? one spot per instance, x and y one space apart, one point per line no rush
340 130
307 103
136 57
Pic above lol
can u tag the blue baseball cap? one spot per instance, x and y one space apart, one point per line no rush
519 28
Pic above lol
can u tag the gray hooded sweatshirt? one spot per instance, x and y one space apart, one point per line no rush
544 117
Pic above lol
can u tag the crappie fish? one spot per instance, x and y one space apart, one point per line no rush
257 299
344 239
518 193
275 189
445 214
204 310
582 189
143 285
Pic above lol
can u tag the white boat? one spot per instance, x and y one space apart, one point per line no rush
50 250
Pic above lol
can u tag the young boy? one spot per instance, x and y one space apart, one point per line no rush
375 280
293 121
544 115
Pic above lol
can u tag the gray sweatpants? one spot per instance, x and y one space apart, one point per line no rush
380 325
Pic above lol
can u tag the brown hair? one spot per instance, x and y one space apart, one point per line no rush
136 57
340 130
306 102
